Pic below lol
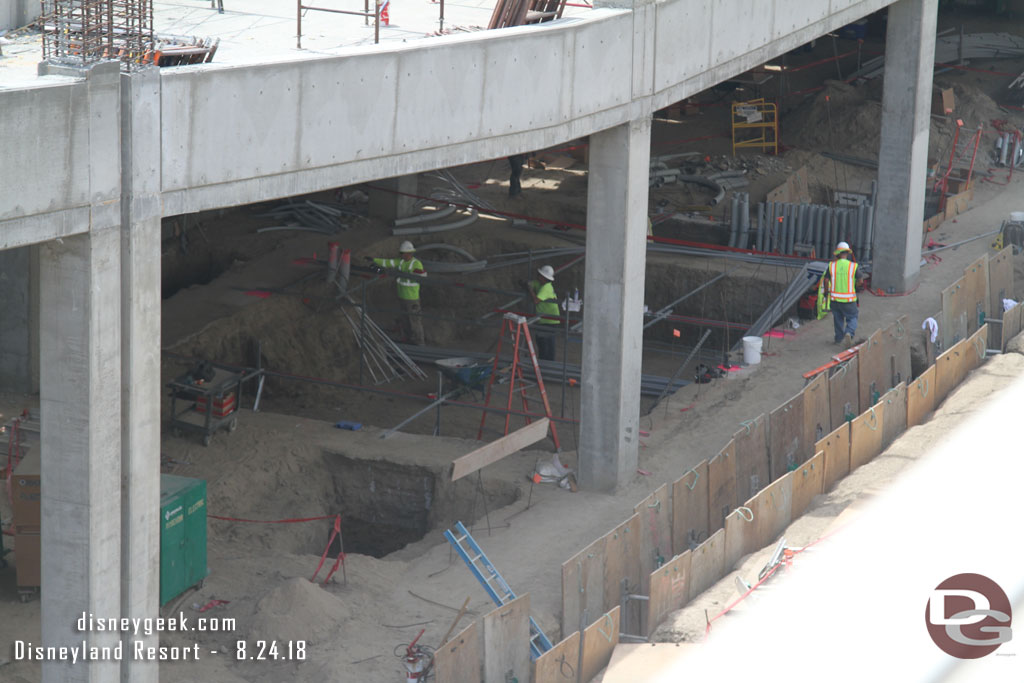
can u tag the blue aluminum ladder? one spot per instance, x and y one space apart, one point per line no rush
492 581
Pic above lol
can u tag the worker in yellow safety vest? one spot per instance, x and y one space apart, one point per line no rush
408 290
837 292
546 304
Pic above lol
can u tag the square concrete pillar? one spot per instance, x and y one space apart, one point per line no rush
391 199
19 324
613 304
80 378
903 149
140 354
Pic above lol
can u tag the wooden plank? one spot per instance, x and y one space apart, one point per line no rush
690 509
866 436
1000 281
670 590
599 639
974 354
751 448
740 535
721 487
621 561
458 660
948 367
655 532
498 449
786 436
773 509
953 324
1012 321
921 397
507 641
583 585
894 420
554 665
807 483
976 297
817 419
843 392
871 376
707 564
836 447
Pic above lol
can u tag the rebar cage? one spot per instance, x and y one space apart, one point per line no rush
83 32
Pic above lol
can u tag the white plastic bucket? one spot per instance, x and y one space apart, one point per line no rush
751 350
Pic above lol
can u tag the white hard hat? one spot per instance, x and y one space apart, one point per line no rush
548 272
406 247
841 247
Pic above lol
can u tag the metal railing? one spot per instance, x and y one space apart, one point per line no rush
366 14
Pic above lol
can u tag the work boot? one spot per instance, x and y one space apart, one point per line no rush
847 341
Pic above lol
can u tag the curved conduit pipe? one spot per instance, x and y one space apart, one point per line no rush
430 229
424 217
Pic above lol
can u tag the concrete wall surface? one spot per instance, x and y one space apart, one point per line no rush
230 135
17 13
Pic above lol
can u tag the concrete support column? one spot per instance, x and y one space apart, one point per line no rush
614 299
80 397
80 336
903 149
140 359
19 322
389 199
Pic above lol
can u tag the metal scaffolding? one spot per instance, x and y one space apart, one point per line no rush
83 32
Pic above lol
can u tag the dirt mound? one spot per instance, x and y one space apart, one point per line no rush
298 610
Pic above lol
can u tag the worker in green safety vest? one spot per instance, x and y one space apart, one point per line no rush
837 292
408 290
546 304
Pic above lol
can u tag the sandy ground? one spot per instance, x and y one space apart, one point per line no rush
289 460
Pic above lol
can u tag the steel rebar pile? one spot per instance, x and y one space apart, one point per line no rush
82 32
384 360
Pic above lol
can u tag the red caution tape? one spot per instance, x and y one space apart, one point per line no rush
214 603
323 558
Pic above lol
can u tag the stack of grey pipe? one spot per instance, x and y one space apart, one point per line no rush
782 227
1009 150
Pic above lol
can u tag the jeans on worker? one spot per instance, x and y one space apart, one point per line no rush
545 345
412 322
844 317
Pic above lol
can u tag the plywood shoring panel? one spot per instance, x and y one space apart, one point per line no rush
558 665
670 588
751 449
953 324
894 421
949 370
1000 281
599 639
655 531
785 436
866 436
583 585
871 372
1013 320
740 535
507 641
721 488
807 483
843 392
836 447
974 354
772 510
458 660
622 561
707 563
976 298
690 509
921 397
817 419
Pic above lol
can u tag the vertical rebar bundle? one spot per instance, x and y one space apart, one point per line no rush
83 32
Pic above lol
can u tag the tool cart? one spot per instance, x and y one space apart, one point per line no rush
206 399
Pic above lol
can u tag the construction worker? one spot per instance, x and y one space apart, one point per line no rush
837 291
546 304
408 290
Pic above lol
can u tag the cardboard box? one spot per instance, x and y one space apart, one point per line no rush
25 490
942 101
26 559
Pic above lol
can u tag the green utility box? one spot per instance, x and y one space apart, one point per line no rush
182 535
